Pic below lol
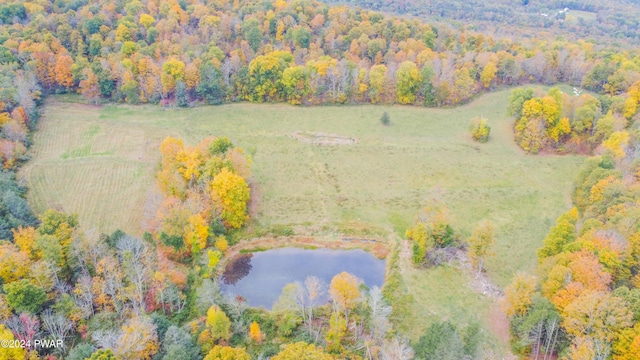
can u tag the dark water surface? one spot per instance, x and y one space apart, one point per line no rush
259 277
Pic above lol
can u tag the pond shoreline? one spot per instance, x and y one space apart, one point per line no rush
378 248
261 277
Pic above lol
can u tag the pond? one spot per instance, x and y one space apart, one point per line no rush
260 277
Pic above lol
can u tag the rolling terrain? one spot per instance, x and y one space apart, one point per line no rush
328 170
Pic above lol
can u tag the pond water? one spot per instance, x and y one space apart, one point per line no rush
260 277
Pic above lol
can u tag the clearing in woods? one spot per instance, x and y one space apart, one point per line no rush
327 167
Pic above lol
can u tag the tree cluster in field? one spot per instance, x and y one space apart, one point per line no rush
432 236
560 122
433 240
585 300
185 52
206 193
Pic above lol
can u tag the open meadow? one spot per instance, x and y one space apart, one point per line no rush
99 162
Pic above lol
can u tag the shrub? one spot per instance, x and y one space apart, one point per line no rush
385 119
480 130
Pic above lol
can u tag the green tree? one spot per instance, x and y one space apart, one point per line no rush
265 75
178 345
81 351
24 296
252 33
440 341
561 234
295 84
516 101
302 37
336 333
384 119
538 328
103 354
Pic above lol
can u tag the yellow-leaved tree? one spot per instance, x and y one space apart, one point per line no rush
138 339
345 291
230 193
24 237
10 353
488 74
301 350
517 296
195 233
617 143
227 353
254 332
218 323
14 264
408 80
480 244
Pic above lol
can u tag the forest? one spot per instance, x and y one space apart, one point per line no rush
614 22
117 296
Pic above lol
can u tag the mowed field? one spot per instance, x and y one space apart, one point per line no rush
99 162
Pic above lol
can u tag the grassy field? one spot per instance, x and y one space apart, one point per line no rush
100 161
574 15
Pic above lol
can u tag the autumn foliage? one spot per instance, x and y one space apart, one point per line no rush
204 185
587 287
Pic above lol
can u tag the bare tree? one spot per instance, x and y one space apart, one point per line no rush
26 89
106 339
397 349
83 295
112 283
208 294
135 258
380 312
173 297
86 251
57 325
226 69
236 308
307 298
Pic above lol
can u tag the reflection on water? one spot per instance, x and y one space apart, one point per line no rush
238 268
260 278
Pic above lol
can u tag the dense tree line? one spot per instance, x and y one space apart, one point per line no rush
584 302
608 22
562 122
302 52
